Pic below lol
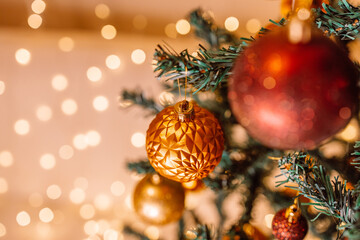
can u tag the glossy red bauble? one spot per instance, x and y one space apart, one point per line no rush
283 229
293 96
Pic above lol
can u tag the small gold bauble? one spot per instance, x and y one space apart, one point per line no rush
158 200
184 142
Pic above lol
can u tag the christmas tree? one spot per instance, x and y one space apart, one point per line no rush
289 90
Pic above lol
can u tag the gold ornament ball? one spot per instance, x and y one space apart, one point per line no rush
184 142
158 200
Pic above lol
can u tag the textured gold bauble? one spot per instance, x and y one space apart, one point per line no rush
158 200
184 145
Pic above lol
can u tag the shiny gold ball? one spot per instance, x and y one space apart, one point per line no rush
158 200
184 145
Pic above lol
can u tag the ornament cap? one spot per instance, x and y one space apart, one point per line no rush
293 213
185 110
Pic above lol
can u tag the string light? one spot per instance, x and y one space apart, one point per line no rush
6 159
253 25
69 107
77 195
108 32
183 27
59 82
2 87
38 6
100 103
66 44
231 24
102 11
138 56
34 21
22 127
23 56
138 139
47 161
93 138
112 62
79 142
53 192
46 215
94 74
23 218
44 113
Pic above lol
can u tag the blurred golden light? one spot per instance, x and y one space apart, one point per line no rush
183 26
23 218
66 44
2 230
269 83
111 234
46 215
66 152
3 185
152 232
117 188
81 182
77 195
351 132
102 202
23 56
128 202
333 149
91 227
139 22
253 25
94 74
34 21
38 6
87 211
69 106
138 139
43 230
103 226
138 56
44 113
6 159
108 32
170 30
35 200
102 11
345 113
112 62
231 24
2 87
268 220
166 98
303 14
59 82
93 138
79 142
22 127
47 161
100 103
53 192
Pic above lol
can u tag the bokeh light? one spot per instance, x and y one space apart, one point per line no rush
102 11
91 227
66 44
345 113
6 159
231 24
100 103
77 195
59 82
111 234
170 30
152 232
102 201
46 215
94 74
2 87
268 220
351 131
166 98
93 138
2 230
3 185
108 32
87 211
79 142
66 152
23 56
138 139
35 200
253 25
43 230
44 113
183 27
138 56
23 218
53 192
38 6
113 62
81 182
69 106
22 127
139 22
34 21
103 226
47 161
117 188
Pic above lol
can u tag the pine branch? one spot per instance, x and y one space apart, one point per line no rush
130 231
129 98
141 167
329 197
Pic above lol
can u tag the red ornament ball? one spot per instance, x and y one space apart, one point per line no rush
283 229
293 96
